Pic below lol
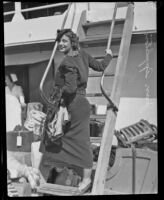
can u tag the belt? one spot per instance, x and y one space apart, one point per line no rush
81 91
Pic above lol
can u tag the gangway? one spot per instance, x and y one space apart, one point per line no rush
98 187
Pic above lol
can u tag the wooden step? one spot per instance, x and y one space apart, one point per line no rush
100 23
96 94
58 190
98 39
101 29
98 117
100 74
95 140
102 57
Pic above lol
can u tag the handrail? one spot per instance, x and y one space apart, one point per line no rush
74 12
50 61
37 8
115 109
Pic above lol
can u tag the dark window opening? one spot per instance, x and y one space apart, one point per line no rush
8 7
8 18
43 12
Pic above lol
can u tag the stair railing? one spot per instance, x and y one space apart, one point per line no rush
112 105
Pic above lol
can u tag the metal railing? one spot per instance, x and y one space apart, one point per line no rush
51 59
36 8
113 106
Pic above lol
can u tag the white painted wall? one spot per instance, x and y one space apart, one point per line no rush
44 28
144 14
132 110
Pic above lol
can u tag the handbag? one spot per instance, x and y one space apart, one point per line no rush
54 129
57 118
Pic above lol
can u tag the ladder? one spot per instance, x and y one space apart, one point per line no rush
98 187
107 136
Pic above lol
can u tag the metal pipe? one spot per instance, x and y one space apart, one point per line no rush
133 170
112 26
73 18
115 109
51 59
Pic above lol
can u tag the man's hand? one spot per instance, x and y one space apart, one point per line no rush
33 176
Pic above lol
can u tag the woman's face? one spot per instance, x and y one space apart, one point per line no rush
64 44
7 81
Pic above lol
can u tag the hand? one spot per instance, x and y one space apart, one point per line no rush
33 176
109 51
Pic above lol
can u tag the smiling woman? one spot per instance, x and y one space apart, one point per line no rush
68 42
64 45
71 79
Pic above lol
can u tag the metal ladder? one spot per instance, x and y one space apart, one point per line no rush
106 142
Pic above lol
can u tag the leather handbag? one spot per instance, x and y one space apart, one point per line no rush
54 129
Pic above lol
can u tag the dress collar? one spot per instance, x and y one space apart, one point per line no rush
73 53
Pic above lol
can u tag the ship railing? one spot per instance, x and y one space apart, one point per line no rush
32 9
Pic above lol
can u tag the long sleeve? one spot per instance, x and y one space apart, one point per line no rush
99 65
70 80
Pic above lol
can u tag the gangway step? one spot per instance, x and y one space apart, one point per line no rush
102 57
100 38
96 94
95 139
104 22
58 190
98 117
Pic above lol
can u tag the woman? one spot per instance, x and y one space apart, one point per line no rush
15 90
72 77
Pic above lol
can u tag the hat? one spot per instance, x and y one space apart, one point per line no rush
61 32
13 77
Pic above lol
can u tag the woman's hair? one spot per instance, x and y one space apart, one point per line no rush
71 35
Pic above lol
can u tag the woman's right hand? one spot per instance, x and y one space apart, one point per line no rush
109 51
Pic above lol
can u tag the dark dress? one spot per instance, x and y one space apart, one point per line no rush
74 147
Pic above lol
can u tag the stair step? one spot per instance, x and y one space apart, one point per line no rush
100 38
102 29
102 57
98 117
59 190
95 139
100 23
96 94
100 74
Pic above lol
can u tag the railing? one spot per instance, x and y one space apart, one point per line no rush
115 109
51 59
45 7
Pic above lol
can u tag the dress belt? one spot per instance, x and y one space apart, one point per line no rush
81 91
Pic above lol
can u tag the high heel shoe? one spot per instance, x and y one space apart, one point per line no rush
84 185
